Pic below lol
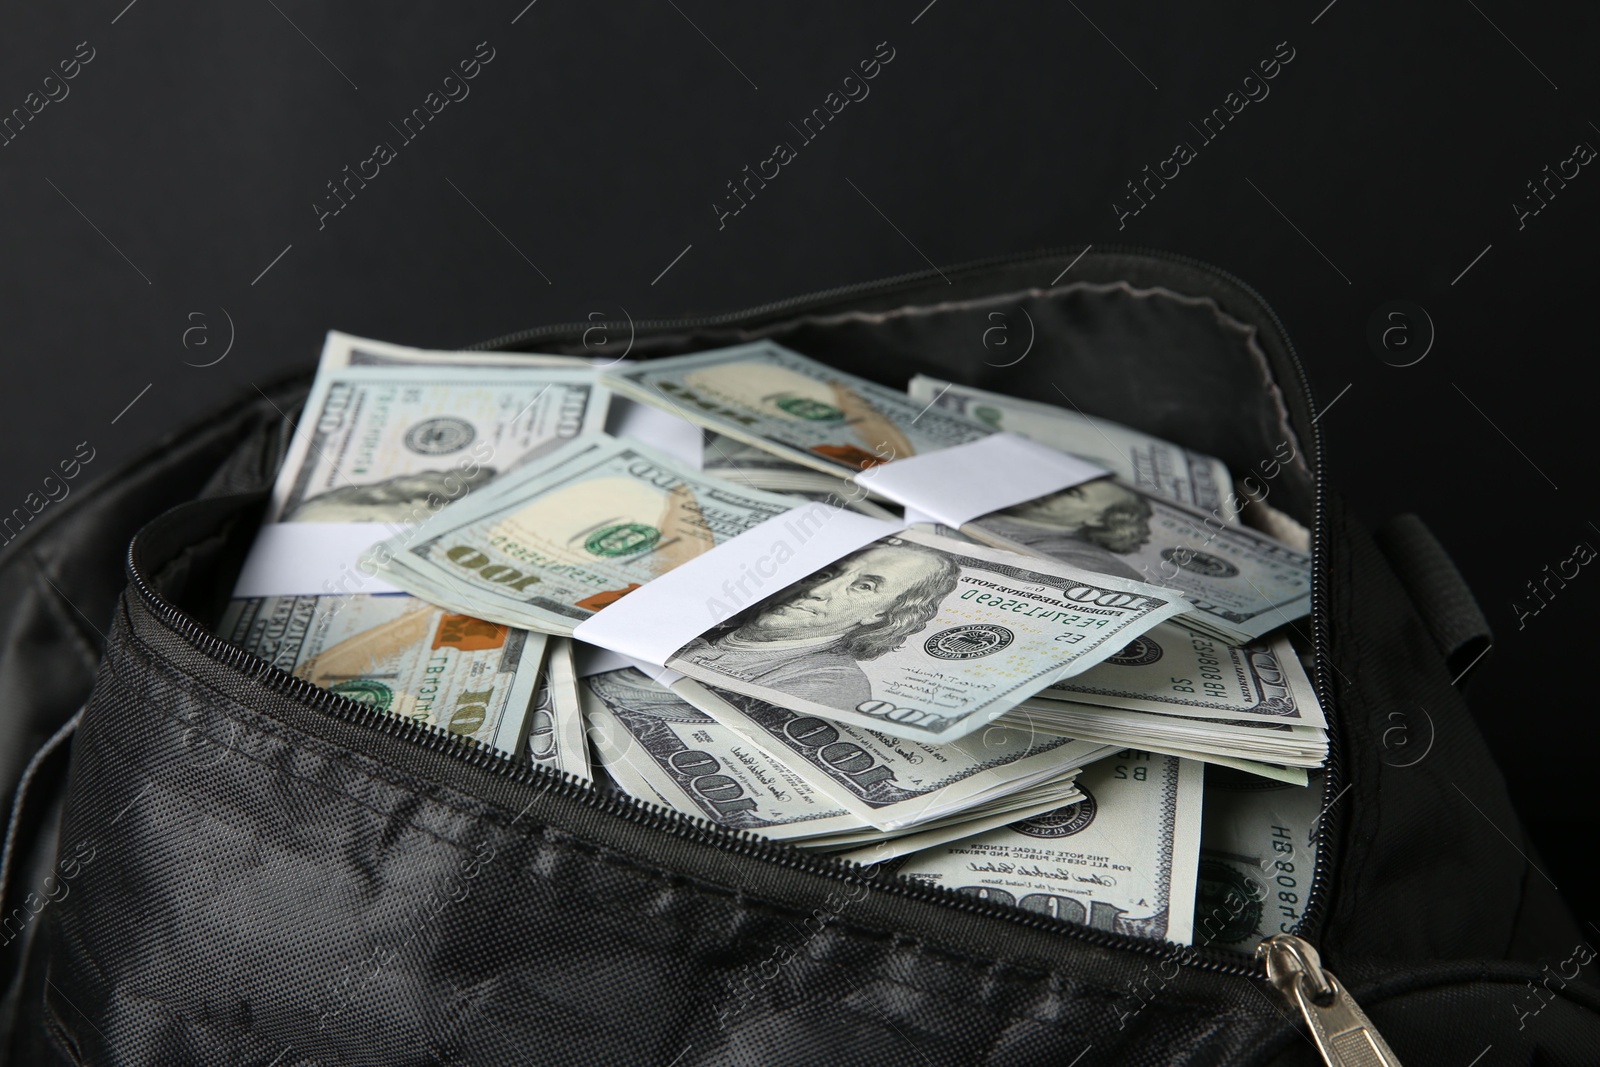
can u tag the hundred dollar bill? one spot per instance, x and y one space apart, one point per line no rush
917 635
698 766
1122 859
395 444
623 418
664 750
1239 583
1258 851
891 782
555 731
399 655
1143 461
346 350
1279 743
877 846
562 538
1179 670
799 409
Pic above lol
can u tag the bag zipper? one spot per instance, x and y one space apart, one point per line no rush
691 828
1340 1029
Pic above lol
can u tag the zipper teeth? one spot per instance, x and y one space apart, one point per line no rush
298 689
1320 644
744 843
1333 783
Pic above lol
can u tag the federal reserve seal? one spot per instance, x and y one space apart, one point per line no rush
968 642
621 539
440 436
803 407
365 691
1137 653
1063 822
1227 906
1200 563
992 416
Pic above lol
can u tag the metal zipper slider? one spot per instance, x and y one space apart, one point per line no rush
1342 1031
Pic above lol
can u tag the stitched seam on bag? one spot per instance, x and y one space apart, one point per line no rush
561 839
1251 333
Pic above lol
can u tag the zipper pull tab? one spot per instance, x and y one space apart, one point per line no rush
1344 1034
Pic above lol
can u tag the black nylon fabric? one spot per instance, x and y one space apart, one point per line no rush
60 579
59 582
251 894
287 894
1427 817
259 881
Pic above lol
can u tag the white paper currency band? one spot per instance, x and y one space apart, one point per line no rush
957 484
311 559
663 615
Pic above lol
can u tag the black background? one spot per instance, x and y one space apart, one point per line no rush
172 191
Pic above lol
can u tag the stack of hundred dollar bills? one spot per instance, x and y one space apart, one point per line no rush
446 525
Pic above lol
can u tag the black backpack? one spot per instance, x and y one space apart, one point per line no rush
209 861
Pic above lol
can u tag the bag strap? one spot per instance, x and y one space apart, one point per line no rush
1442 597
20 799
